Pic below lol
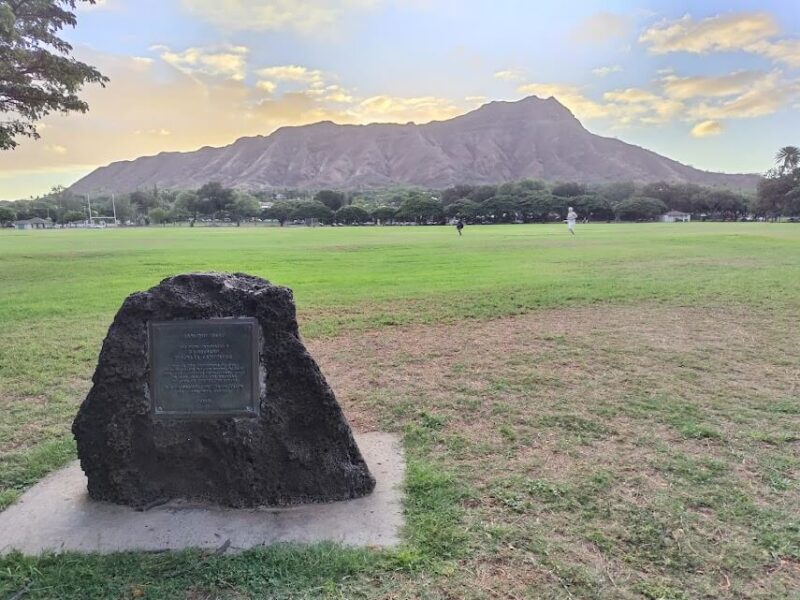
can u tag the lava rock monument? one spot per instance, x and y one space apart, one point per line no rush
204 391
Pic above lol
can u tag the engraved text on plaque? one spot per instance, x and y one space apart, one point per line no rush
204 368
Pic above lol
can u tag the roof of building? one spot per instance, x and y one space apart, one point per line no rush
34 221
677 213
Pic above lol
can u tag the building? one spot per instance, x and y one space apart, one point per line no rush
35 223
674 216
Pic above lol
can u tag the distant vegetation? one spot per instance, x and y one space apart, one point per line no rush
526 201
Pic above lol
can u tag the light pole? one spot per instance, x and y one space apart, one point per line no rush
89 200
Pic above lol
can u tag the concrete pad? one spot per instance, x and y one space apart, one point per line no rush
57 515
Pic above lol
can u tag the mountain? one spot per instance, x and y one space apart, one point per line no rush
500 141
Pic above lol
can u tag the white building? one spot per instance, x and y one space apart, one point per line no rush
34 223
674 216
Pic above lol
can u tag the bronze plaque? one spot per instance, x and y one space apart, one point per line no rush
204 368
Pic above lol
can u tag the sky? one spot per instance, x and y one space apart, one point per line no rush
714 84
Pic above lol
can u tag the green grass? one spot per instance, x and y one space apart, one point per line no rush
610 415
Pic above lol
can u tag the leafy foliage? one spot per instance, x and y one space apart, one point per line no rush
332 199
384 213
779 193
352 214
37 74
788 158
420 208
312 209
640 208
6 215
279 211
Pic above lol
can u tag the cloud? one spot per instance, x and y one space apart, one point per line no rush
601 27
761 97
510 75
397 109
786 51
266 86
707 129
291 73
334 93
754 33
630 95
730 84
622 107
303 16
603 71
224 61
153 107
713 34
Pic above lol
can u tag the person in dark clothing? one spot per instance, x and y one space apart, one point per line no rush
460 226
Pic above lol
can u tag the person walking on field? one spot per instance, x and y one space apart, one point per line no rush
460 226
572 216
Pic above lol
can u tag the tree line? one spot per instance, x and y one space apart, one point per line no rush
528 201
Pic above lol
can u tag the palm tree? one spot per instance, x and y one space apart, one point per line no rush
788 157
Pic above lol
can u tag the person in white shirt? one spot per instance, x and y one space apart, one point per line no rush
572 216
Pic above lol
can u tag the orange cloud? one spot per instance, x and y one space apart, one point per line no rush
727 32
706 129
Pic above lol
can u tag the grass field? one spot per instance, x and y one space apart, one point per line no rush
610 415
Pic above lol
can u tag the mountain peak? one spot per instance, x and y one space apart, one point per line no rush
530 107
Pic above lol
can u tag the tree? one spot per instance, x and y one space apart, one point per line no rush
124 209
73 216
177 214
462 209
279 211
384 214
158 215
640 208
618 191
593 207
215 198
569 189
143 201
190 202
37 74
242 207
331 199
420 208
501 208
779 193
481 193
538 206
725 204
457 192
788 158
531 185
312 209
6 215
351 214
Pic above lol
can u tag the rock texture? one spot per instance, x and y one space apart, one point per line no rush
498 142
300 449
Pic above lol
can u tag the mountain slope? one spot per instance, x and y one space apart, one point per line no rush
498 142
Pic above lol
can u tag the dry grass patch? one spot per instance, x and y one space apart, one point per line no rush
615 452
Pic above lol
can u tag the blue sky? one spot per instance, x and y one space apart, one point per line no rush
713 84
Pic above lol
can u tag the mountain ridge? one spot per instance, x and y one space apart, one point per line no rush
497 142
